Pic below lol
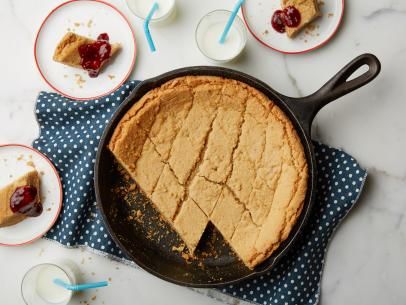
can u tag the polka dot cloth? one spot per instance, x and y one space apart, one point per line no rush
70 132
296 279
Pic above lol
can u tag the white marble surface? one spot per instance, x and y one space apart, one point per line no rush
366 260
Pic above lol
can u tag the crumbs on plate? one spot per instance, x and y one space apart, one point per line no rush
31 164
79 80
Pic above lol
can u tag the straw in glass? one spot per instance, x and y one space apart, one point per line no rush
154 7
230 21
79 287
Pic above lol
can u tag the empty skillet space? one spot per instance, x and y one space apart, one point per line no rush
141 231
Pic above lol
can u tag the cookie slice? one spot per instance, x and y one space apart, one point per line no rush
309 11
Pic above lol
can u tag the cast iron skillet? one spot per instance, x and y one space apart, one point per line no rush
148 241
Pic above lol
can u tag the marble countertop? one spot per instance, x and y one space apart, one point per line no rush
366 259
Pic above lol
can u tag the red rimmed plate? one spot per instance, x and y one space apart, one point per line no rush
15 161
257 15
88 18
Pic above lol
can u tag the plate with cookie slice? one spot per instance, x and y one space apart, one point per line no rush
30 195
293 26
85 49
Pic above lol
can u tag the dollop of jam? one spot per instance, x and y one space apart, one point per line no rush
289 17
278 22
94 54
24 201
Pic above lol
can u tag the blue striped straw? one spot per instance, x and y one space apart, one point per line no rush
154 7
230 21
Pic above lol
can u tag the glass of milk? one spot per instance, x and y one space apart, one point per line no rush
208 33
141 8
37 287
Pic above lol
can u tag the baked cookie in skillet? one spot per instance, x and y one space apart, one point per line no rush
209 149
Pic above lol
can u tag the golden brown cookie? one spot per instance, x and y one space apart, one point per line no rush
7 216
67 50
309 10
208 149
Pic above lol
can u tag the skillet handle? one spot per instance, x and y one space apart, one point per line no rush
307 107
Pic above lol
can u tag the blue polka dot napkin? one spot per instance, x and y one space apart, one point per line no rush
70 132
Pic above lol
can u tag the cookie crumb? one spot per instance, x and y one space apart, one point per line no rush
89 23
76 24
31 164
111 76
311 27
79 80
187 257
109 279
20 157
93 298
49 209
179 249
329 15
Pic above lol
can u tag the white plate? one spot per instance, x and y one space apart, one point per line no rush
15 162
257 15
87 18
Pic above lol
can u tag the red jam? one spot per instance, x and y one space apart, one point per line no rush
24 201
289 17
278 22
94 54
